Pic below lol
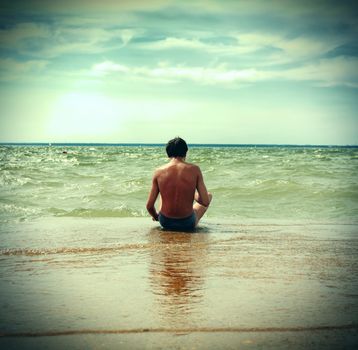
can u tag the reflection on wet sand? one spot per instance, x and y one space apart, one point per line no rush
177 274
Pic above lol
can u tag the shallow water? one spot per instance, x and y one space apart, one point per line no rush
317 183
126 276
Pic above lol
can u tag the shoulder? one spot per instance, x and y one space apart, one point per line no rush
159 170
193 167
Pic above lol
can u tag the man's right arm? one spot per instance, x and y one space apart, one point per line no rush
152 198
203 198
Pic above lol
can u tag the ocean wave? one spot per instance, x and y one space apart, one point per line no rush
257 182
7 178
97 212
18 210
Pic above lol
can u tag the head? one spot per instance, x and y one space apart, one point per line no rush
176 148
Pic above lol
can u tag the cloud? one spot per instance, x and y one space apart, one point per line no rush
84 7
43 40
294 48
11 37
182 44
203 75
107 67
283 50
325 72
226 52
172 74
11 69
304 47
175 43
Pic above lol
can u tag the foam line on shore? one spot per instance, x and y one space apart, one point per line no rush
54 333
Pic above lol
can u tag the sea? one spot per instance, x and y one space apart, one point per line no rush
317 183
272 265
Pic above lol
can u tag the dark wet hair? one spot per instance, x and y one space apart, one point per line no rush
176 147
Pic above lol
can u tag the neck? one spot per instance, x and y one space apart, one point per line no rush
177 159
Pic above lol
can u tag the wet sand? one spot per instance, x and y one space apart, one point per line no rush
126 284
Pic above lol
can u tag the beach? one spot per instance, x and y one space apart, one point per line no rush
273 264
228 285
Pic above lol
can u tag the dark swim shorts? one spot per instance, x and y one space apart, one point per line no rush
182 224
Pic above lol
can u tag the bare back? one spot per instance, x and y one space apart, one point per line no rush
177 182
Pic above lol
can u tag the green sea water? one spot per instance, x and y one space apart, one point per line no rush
260 183
273 264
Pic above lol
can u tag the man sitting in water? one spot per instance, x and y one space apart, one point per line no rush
177 182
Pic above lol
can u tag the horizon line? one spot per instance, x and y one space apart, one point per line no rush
163 144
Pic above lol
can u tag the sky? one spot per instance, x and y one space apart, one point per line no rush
210 71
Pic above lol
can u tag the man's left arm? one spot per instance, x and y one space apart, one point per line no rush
152 198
